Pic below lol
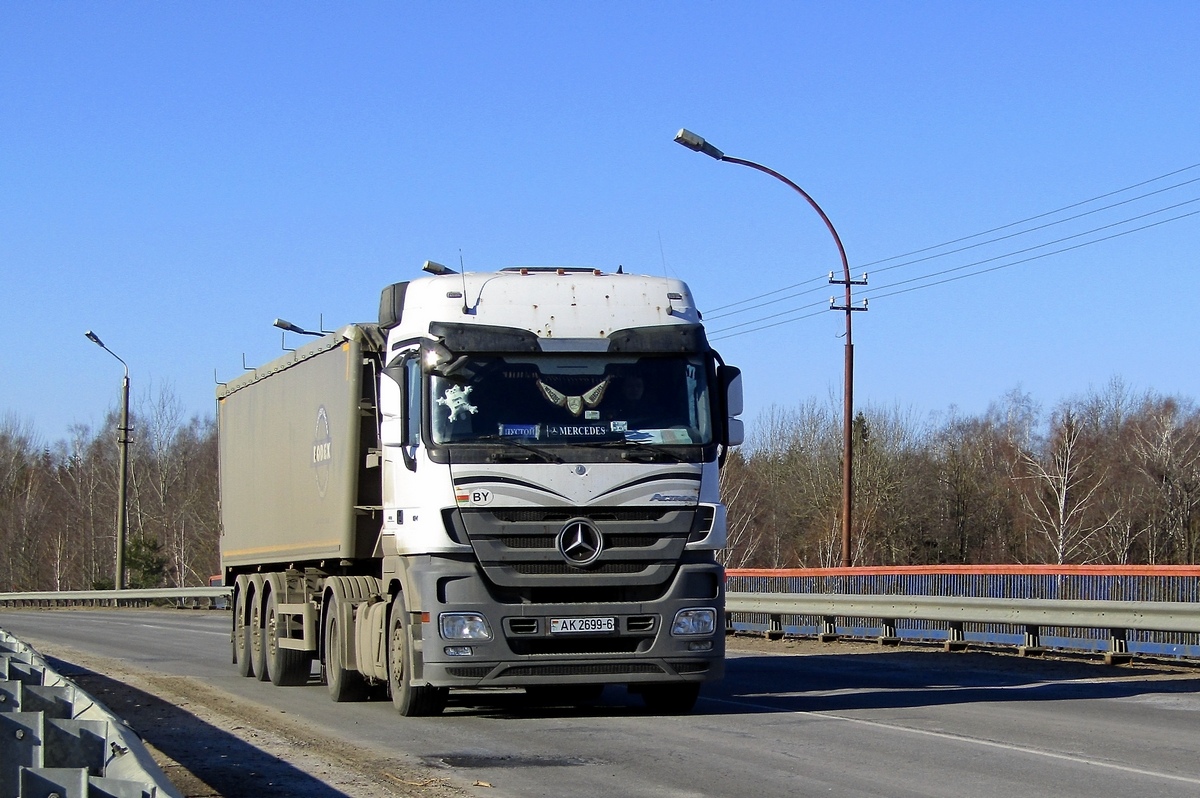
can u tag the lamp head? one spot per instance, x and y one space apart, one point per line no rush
284 324
91 336
693 142
433 267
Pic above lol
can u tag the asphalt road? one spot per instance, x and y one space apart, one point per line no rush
804 720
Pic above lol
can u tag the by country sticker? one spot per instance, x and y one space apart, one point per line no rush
478 497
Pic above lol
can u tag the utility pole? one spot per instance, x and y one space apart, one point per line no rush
847 408
122 467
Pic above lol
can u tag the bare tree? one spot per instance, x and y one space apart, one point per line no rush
1168 451
1062 493
25 496
742 500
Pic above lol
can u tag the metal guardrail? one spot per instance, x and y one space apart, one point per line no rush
174 594
1154 616
55 739
1118 618
1112 609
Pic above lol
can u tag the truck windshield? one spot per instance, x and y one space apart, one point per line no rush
554 398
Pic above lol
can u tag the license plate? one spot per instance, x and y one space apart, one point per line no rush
570 625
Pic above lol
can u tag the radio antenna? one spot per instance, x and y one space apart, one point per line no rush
462 269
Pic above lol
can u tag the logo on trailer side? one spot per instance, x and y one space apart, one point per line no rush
322 451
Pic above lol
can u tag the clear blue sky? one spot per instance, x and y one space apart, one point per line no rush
176 175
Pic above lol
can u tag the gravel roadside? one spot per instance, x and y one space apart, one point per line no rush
214 745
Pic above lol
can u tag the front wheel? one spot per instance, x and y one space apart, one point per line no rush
410 699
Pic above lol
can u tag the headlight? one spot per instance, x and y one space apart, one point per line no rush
694 622
464 626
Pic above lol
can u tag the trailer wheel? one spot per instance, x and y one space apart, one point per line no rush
233 638
258 651
344 684
671 699
410 699
287 666
241 635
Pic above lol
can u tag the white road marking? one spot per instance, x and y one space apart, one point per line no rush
1082 760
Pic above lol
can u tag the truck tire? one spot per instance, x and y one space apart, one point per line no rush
671 699
241 636
410 700
344 684
258 649
287 666
233 638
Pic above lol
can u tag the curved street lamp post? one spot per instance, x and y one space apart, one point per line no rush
123 466
693 142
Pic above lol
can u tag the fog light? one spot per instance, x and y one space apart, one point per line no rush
464 626
694 622
458 651
700 645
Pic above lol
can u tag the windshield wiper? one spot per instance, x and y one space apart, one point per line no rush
494 438
638 450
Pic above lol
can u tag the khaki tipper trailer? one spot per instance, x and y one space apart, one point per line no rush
509 481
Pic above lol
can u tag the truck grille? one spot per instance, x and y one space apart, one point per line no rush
523 626
584 669
518 547
683 668
563 568
560 515
469 671
553 646
547 541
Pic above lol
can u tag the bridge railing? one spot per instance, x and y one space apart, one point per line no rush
1118 611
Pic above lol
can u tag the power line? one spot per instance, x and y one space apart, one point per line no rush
962 239
772 316
1038 216
717 334
777 300
1035 229
1048 244
760 296
1036 257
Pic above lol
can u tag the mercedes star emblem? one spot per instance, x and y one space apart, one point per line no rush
580 542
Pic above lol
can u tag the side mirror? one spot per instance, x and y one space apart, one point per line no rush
436 358
391 408
735 432
731 386
394 422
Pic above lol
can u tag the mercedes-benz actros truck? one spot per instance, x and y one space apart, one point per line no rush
510 480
